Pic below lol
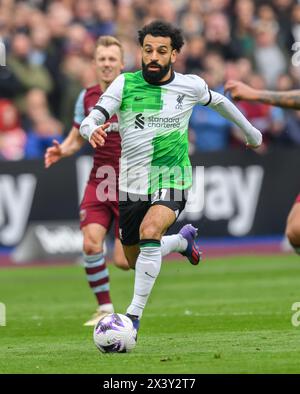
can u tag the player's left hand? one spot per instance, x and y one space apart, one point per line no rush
53 154
98 136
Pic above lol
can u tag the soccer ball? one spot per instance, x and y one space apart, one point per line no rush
115 334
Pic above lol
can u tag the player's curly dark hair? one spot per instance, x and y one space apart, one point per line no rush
162 29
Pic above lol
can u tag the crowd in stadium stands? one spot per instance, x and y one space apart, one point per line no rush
49 47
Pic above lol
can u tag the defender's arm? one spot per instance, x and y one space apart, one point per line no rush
241 91
68 147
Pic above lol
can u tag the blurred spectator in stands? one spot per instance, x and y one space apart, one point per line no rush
285 82
161 9
166 10
126 23
269 58
36 106
245 68
12 136
59 17
44 129
191 20
36 19
284 9
217 35
231 71
5 23
76 41
195 53
295 23
240 70
74 69
292 117
132 54
29 75
43 53
243 26
105 13
218 5
140 8
9 83
84 15
268 119
210 131
21 15
266 14
191 12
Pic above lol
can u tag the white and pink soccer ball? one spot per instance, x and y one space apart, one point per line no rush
115 334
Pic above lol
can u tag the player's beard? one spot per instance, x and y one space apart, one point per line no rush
155 76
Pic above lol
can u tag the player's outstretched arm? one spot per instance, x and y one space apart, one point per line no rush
93 128
229 111
68 147
241 91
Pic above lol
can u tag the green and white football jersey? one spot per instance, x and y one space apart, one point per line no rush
153 124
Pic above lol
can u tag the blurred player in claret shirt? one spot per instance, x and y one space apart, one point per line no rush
97 215
291 100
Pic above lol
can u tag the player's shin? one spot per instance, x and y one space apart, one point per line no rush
146 271
98 278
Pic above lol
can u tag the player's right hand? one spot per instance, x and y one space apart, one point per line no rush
239 90
53 154
98 136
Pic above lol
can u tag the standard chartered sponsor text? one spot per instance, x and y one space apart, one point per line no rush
167 123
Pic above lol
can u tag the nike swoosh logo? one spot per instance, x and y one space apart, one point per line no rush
138 98
146 273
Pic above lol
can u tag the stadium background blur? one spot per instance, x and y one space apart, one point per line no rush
49 48
50 44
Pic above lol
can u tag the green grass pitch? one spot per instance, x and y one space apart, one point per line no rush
230 315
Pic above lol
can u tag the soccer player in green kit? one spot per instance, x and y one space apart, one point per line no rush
154 106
